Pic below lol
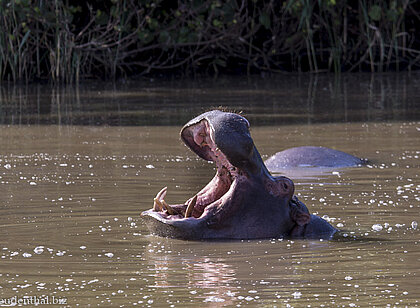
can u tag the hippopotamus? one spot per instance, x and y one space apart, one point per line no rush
243 200
311 156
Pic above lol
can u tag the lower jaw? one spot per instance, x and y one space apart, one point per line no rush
192 208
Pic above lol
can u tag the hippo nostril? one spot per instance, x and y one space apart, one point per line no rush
285 186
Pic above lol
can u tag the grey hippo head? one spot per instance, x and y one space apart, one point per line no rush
243 200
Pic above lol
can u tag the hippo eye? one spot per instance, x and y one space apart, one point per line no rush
285 186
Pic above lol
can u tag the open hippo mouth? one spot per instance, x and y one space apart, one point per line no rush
242 201
200 137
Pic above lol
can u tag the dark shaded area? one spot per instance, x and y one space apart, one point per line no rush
67 41
270 101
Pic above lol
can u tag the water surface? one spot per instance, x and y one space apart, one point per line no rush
71 196
273 100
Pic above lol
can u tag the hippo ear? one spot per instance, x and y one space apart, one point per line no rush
299 212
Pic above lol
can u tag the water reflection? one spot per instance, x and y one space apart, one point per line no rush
269 271
275 100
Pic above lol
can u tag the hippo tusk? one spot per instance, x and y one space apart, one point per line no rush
168 208
157 201
157 205
190 207
161 194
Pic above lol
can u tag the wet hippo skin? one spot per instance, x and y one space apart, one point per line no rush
243 200
311 156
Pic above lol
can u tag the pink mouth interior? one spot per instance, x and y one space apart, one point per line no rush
218 190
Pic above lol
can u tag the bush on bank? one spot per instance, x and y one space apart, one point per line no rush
64 41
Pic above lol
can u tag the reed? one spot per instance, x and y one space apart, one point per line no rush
62 43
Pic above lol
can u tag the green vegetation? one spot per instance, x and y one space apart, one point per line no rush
63 42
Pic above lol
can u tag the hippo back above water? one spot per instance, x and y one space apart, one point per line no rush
311 156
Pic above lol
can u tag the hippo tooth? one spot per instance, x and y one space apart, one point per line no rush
157 205
161 194
190 207
168 208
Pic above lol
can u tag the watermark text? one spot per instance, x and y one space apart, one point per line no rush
32 301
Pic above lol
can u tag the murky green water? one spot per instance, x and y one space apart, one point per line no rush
71 196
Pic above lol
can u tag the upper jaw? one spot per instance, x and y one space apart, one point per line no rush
194 135
229 132
230 135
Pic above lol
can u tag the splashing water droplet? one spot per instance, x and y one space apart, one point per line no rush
377 227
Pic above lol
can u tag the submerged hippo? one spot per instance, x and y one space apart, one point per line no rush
311 156
243 200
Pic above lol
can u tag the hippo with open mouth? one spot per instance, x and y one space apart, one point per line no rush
243 200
